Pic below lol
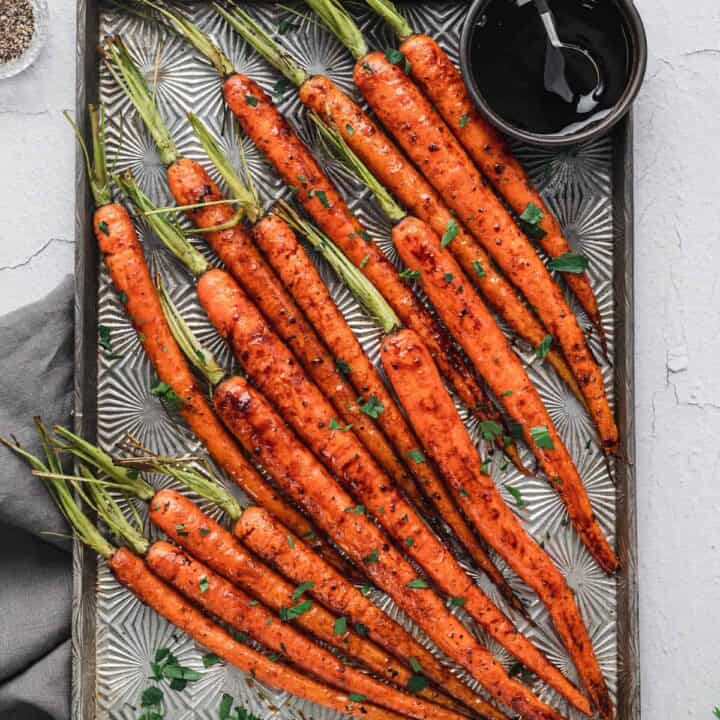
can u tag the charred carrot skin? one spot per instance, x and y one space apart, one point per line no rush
257 529
278 376
399 176
432 412
411 119
119 244
299 170
254 422
215 595
289 259
476 330
134 574
210 543
190 184
441 81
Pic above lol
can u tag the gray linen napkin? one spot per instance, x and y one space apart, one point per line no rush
36 376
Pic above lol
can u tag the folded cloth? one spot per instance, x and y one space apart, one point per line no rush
36 378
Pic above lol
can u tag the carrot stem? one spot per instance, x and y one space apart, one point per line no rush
169 233
130 79
198 355
336 145
243 190
363 290
258 38
391 15
340 23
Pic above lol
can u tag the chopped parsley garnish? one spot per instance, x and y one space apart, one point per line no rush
204 585
507 393
301 589
366 589
293 190
418 584
407 66
364 261
251 100
371 558
478 268
530 220
457 601
180 530
364 234
569 263
321 195
335 425
166 667
517 495
340 626
408 274
450 233
104 228
416 456
210 659
417 683
167 394
123 297
357 510
464 492
415 665
291 542
372 407
350 129
356 697
409 541
544 347
394 56
519 670
204 531
515 429
448 277
274 657
361 629
342 367
282 85
106 343
490 429
464 120
285 25
295 610
541 437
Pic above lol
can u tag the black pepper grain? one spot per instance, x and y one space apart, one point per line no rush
17 26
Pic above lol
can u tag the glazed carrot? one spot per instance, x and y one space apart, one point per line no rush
441 81
254 422
410 118
433 71
411 189
118 242
190 184
212 544
475 329
280 246
217 596
271 133
277 375
134 574
445 438
257 529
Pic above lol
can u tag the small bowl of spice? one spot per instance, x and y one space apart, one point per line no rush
23 31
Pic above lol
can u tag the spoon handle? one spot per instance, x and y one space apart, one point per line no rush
542 6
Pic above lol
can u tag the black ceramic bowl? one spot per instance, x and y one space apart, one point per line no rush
637 64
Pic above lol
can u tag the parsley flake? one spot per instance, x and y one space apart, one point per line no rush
569 263
251 100
394 56
464 120
371 558
340 626
418 584
530 220
478 268
544 347
301 589
541 437
450 233
408 274
372 408
416 456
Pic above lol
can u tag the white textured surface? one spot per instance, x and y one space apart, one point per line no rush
677 153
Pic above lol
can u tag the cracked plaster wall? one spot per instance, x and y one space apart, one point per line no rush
677 156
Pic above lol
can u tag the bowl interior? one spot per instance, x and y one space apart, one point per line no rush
20 63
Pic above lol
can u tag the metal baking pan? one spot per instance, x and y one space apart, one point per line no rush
589 187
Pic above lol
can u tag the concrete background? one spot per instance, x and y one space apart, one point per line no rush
677 319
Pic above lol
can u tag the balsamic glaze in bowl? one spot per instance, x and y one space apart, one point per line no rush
503 54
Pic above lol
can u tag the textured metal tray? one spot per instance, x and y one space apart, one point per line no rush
590 188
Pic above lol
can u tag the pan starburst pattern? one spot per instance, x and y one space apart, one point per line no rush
577 184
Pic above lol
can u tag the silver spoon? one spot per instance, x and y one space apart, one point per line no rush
555 74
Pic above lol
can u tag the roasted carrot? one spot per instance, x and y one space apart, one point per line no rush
445 438
213 545
118 242
190 184
298 273
409 117
199 584
401 178
298 168
475 329
134 574
277 375
254 422
257 529
442 83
